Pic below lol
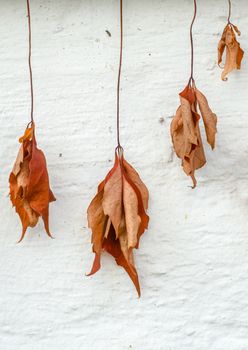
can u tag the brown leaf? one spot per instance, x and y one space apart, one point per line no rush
29 183
112 246
190 121
236 29
185 131
209 118
112 202
234 53
142 194
117 217
177 133
222 45
97 221
132 218
135 179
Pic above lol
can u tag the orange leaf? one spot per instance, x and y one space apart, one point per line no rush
117 217
112 202
30 193
209 118
112 246
234 53
185 131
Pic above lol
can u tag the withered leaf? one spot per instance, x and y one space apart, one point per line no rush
112 201
132 219
234 53
185 131
177 133
30 193
209 118
134 177
117 217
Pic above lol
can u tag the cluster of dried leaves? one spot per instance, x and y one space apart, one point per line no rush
185 131
30 193
234 53
117 216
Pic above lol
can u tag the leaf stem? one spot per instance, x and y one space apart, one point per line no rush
119 78
229 12
29 63
192 44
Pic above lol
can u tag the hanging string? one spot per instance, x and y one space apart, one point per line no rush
230 11
191 79
119 80
29 64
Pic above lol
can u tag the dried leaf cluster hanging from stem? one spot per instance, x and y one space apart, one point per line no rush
228 42
185 130
30 193
117 214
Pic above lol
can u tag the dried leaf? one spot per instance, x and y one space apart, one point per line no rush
97 221
112 202
236 29
185 131
177 133
132 218
190 122
234 53
209 118
30 193
117 217
222 45
135 179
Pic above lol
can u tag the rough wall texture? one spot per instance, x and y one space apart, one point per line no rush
193 261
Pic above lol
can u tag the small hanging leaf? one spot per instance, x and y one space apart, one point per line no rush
117 217
30 193
234 53
185 131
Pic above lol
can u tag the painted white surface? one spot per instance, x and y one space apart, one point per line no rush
193 260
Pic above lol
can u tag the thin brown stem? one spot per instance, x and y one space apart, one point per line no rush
230 11
192 44
119 78
30 65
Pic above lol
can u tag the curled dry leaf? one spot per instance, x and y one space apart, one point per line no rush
117 217
185 131
234 53
30 193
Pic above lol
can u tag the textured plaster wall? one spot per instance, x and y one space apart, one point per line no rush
193 260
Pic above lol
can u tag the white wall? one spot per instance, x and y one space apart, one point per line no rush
193 260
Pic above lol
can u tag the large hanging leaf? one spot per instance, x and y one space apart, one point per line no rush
30 193
117 217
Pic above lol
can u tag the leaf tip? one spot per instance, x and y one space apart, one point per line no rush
96 265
